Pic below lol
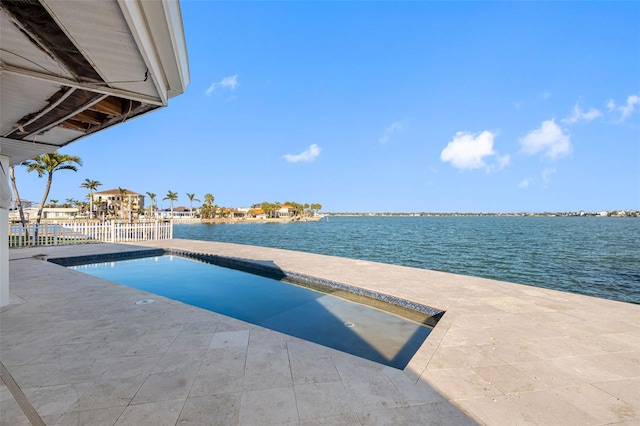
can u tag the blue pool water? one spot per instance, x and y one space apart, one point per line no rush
322 318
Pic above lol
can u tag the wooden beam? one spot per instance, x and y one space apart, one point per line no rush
110 106
74 125
90 117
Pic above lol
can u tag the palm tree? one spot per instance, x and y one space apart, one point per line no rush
271 209
49 164
191 200
316 207
206 211
82 206
152 199
91 185
171 196
123 193
23 220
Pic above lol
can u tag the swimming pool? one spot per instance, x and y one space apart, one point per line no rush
296 309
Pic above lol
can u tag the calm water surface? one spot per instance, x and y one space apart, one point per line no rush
587 255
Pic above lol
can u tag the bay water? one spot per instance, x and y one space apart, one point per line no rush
595 256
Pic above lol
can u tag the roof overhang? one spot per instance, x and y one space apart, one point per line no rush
71 68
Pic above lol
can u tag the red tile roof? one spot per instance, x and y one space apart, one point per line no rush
115 192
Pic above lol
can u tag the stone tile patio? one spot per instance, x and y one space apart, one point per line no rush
83 353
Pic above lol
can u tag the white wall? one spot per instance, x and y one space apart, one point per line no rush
4 239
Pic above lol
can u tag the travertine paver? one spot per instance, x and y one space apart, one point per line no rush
83 352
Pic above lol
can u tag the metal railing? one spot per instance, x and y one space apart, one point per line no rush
53 234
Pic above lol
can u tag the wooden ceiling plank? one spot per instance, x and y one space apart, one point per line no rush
110 106
74 125
90 117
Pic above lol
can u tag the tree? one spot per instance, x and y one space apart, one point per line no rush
91 185
152 198
270 209
48 164
23 220
191 200
123 192
82 206
171 196
207 211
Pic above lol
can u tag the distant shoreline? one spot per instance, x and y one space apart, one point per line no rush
609 213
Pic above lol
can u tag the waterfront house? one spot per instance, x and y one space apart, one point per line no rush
115 203
256 213
51 213
180 212
285 211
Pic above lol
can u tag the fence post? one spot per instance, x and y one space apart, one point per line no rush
113 231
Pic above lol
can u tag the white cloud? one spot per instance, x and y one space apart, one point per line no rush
503 161
308 155
611 105
230 82
548 139
578 115
627 109
394 127
467 151
524 183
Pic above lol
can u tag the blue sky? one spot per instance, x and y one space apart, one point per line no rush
389 106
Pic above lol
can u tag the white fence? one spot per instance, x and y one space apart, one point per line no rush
53 234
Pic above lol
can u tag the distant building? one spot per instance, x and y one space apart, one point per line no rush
179 212
285 211
119 204
256 212
48 213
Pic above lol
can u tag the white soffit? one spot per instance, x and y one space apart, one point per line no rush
99 31
16 49
55 135
18 151
170 43
72 68
21 95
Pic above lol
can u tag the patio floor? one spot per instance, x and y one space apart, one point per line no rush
78 350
